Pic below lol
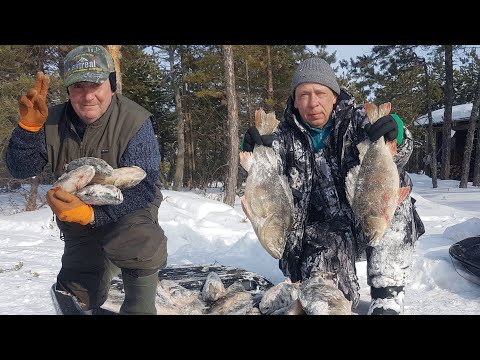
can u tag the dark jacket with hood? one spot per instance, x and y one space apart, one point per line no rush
325 235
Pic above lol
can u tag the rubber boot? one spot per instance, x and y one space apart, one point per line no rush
109 273
140 293
386 301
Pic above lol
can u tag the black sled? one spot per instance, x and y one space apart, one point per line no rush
465 256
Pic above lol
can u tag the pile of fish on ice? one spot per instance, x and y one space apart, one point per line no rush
317 296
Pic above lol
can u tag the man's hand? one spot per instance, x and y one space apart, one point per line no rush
252 137
33 107
68 207
385 126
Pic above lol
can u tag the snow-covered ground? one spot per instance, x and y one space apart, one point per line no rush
201 230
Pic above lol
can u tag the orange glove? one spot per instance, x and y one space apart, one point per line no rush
68 207
33 107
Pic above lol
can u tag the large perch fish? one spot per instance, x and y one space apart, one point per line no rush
373 187
268 200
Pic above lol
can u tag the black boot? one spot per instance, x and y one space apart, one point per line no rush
140 294
386 301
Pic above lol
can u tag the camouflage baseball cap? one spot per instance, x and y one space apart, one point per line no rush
91 63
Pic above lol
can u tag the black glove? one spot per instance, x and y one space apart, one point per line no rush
385 126
252 137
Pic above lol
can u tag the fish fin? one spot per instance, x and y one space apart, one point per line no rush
351 183
259 115
402 194
384 109
392 146
265 123
372 112
375 112
362 149
270 124
245 157
244 207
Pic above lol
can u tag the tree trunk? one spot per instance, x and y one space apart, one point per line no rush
114 50
189 150
251 119
188 170
470 136
33 194
433 140
426 163
63 51
476 169
180 162
447 118
270 102
230 188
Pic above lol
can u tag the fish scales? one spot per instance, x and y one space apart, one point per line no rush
100 165
373 187
76 179
268 200
98 194
319 295
122 178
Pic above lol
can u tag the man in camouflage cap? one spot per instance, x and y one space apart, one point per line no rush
96 122
91 63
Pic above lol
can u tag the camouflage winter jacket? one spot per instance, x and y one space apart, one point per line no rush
324 229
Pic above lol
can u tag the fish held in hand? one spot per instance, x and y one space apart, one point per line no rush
101 166
76 179
95 182
373 187
98 194
268 200
122 178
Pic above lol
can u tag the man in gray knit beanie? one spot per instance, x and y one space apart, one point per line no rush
315 70
316 144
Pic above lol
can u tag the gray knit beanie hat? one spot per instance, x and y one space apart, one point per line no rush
315 70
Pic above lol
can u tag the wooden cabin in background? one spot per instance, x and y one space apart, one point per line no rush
460 120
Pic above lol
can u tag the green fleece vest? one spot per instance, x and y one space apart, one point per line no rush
125 243
107 138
